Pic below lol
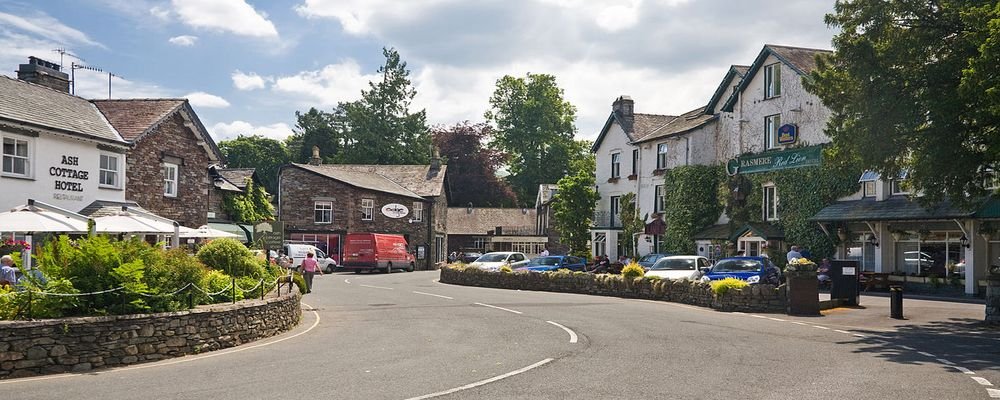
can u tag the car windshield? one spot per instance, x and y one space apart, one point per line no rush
675 264
737 266
497 257
544 261
649 257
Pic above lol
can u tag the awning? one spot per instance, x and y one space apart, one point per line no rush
127 222
244 233
892 209
40 217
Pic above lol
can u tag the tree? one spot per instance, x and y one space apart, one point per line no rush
317 128
534 125
472 168
379 128
632 223
574 204
251 206
913 87
258 152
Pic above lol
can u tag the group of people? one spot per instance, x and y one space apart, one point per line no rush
822 270
10 276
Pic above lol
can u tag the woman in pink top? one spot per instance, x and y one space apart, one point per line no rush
309 269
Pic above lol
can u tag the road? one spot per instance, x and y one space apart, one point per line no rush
405 336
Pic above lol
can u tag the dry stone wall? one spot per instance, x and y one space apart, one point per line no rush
82 344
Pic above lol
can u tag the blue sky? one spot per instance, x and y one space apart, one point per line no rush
248 65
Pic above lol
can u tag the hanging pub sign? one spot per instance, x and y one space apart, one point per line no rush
775 160
395 210
788 134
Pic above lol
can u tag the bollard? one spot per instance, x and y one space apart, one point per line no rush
262 289
190 299
896 302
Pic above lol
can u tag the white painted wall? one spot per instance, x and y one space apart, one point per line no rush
615 141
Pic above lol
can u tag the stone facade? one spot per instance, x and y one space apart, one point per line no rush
993 300
82 344
756 298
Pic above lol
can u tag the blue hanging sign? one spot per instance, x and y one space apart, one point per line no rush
788 134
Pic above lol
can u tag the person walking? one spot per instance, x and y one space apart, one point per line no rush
310 267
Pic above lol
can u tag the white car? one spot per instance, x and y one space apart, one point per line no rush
679 267
493 261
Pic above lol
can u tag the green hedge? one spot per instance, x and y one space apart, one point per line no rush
692 203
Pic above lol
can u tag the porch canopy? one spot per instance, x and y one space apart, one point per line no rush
40 217
891 209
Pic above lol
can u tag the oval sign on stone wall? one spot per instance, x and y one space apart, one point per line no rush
395 210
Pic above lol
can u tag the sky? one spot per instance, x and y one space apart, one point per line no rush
248 65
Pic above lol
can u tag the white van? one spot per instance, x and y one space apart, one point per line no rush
297 252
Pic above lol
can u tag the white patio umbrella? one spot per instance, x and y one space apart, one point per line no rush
138 222
40 217
207 232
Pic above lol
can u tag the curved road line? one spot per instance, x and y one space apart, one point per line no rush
572 335
484 381
172 362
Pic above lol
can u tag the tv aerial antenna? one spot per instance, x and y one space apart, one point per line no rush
74 66
63 52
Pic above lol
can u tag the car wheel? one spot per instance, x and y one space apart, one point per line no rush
357 271
388 268
410 269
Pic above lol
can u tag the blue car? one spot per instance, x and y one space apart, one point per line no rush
552 263
750 269
648 260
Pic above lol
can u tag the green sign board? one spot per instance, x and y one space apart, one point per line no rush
269 234
775 160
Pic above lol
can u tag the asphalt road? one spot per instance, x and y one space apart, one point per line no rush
404 336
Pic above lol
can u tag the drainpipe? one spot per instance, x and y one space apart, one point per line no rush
430 232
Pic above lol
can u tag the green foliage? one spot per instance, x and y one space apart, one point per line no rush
691 204
535 126
300 282
723 286
632 270
913 86
251 206
574 204
263 154
230 256
215 281
631 222
320 129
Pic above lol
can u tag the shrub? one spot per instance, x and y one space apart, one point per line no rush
228 255
215 281
632 270
300 282
506 269
723 286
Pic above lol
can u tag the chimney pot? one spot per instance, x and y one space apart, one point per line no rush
44 73
315 159
624 108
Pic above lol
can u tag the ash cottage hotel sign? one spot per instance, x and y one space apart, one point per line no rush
776 160
68 178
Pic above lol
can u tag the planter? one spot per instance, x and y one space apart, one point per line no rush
803 293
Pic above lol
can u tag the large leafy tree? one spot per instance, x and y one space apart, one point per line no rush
264 154
251 206
913 86
472 168
575 201
317 128
535 126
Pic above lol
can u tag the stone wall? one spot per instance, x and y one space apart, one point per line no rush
993 300
756 298
82 344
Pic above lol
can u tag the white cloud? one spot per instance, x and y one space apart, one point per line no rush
44 26
355 16
183 40
234 16
325 87
202 99
160 13
611 17
223 131
251 81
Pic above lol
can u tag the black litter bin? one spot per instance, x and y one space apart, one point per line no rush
844 281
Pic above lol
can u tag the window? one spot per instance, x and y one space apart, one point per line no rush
600 244
992 180
898 187
616 165
367 209
659 200
772 80
109 171
170 179
418 211
661 156
771 125
324 212
615 208
16 159
770 203
635 162
868 189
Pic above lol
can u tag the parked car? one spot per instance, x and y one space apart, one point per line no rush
470 257
648 260
295 253
679 267
552 263
493 261
750 269
376 251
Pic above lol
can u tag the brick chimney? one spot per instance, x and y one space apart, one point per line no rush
44 73
623 107
315 159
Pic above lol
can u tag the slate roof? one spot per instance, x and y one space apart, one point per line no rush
642 125
721 92
726 232
678 125
481 220
362 178
714 232
40 106
896 208
417 179
103 208
799 59
135 117
237 176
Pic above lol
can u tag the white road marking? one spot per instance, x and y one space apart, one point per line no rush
572 335
758 316
963 369
377 287
994 393
943 361
739 313
498 308
982 381
347 281
858 335
483 382
776 319
800 323
842 331
908 348
924 353
819 327
172 362
435 295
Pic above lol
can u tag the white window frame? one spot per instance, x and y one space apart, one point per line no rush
772 81
661 155
116 173
367 209
418 211
169 184
616 165
323 208
615 209
752 246
868 188
635 162
659 199
27 142
771 125
770 208
895 189
992 180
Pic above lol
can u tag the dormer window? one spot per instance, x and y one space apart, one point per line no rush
772 80
898 186
869 182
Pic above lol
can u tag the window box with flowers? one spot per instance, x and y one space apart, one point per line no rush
10 246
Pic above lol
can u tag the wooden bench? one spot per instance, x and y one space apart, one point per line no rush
876 280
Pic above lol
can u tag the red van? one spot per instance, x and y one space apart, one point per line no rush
376 251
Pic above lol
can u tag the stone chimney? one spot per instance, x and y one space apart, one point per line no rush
315 159
435 164
44 73
623 107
